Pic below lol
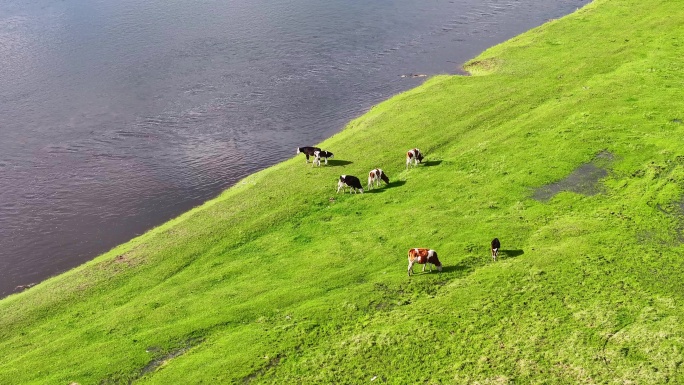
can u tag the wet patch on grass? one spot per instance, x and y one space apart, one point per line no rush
584 180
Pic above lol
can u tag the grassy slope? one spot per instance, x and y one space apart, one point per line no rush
277 282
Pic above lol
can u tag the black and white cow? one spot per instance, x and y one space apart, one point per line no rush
415 156
351 181
308 151
496 245
375 175
321 154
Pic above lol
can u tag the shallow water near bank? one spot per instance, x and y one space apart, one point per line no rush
118 116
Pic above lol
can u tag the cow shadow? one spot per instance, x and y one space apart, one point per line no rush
470 263
338 162
431 163
378 190
511 253
458 268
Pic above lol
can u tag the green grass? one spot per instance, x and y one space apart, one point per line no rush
279 280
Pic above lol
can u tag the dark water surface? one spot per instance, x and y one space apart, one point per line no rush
116 115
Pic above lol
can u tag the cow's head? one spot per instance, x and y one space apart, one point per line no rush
384 178
435 261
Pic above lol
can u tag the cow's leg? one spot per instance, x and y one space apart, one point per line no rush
370 183
326 161
410 268
340 186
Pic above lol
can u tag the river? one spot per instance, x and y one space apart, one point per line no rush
116 116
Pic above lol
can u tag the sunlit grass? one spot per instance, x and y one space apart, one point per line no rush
280 280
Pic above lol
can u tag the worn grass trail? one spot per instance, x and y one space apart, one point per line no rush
280 280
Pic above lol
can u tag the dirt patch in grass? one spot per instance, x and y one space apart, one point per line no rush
122 262
680 215
271 363
482 67
168 356
584 180
676 211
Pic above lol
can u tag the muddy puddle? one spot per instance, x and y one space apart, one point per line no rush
585 180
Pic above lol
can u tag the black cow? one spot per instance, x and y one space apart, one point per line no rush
349 180
496 245
308 151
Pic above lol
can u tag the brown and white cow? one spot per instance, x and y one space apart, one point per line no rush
496 245
423 257
351 181
374 176
308 151
415 156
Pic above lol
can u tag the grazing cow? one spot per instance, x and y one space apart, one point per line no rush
321 154
423 257
415 156
308 151
375 176
349 180
496 245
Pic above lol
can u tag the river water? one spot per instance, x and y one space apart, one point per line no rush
117 115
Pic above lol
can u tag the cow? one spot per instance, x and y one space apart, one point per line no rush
415 156
349 180
308 151
375 176
321 154
423 257
496 245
